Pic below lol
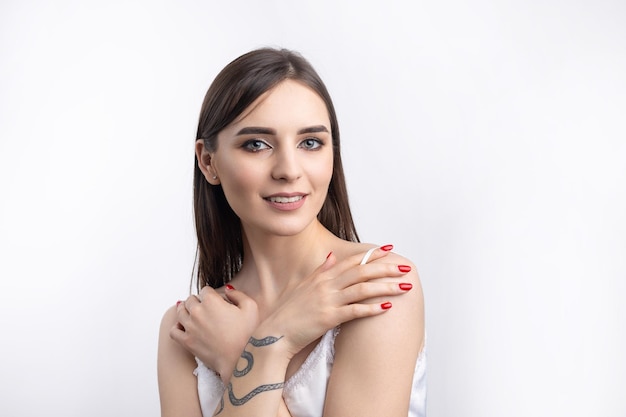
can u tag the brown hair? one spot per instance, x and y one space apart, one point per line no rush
220 248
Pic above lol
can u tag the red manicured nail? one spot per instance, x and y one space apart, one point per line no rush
405 286
404 268
329 253
229 287
385 306
386 248
178 303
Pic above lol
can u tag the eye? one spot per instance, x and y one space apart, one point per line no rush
311 144
255 145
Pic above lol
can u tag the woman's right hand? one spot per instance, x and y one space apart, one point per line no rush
216 329
335 293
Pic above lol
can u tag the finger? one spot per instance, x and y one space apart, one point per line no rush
367 256
368 272
328 263
207 292
359 311
361 292
177 334
375 253
191 302
182 315
239 298
362 258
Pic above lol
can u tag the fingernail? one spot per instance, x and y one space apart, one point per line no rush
385 306
178 303
404 268
386 248
329 253
405 286
229 287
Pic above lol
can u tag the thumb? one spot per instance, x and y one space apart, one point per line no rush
238 298
329 262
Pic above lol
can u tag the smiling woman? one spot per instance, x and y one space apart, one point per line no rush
281 150
293 315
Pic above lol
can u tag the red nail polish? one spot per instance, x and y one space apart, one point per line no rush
386 248
329 253
405 286
385 306
404 268
229 287
178 303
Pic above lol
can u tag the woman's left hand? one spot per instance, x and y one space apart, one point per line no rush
214 329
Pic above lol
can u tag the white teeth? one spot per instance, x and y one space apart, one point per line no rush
285 199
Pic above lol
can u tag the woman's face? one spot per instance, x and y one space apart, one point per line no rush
275 161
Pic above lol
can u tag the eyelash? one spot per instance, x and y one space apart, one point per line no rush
317 141
247 145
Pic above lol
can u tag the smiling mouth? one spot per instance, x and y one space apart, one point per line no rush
285 199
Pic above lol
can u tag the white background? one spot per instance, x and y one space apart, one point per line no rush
486 140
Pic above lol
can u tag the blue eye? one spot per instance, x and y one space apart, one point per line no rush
311 144
255 145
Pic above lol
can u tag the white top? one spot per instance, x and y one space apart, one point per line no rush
305 392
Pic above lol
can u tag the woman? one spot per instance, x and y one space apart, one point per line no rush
293 316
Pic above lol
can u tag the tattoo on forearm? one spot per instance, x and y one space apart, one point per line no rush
249 358
262 388
266 341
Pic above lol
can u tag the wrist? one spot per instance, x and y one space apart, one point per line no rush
271 344
225 372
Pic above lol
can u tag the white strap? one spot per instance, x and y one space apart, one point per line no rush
367 256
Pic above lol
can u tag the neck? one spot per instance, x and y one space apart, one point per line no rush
271 262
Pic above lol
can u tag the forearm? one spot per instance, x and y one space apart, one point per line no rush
256 384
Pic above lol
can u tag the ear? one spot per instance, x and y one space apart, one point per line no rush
205 159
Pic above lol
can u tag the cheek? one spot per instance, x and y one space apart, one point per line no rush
323 171
236 180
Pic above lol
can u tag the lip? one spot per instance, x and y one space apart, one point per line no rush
286 206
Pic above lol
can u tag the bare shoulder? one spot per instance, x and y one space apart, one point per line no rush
169 318
375 357
175 366
407 310
169 350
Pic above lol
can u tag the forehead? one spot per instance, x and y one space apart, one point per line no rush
289 104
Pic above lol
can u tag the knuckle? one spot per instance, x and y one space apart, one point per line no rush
195 312
357 310
364 291
356 258
248 304
325 317
387 269
173 333
322 279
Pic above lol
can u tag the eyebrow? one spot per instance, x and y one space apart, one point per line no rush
313 129
255 130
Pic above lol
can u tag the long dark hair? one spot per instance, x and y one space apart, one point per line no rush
220 247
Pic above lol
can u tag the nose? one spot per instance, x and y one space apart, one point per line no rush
286 165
